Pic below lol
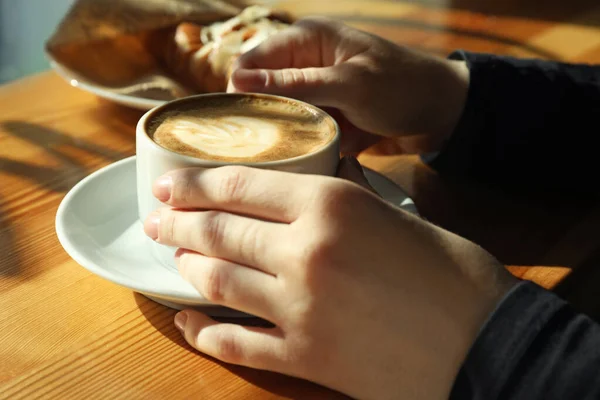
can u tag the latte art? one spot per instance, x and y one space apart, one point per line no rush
234 136
242 129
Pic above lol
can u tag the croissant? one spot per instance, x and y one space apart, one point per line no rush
202 56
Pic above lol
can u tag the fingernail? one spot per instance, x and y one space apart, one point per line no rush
162 188
249 80
151 225
178 254
180 320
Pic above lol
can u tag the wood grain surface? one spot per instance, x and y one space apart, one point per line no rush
68 334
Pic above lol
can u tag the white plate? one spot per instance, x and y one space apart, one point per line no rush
134 101
97 224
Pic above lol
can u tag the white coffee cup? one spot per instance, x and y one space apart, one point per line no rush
153 161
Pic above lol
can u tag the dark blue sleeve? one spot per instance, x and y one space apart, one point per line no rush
526 123
534 346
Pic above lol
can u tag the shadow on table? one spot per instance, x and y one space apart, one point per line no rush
521 228
10 265
553 10
378 24
161 318
56 144
117 119
531 228
283 385
57 179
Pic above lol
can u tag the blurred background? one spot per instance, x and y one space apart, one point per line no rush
24 27
516 27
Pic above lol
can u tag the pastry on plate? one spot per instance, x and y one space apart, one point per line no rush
202 56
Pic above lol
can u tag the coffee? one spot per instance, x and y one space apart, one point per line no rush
218 129
241 128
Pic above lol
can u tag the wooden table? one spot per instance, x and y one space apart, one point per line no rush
68 334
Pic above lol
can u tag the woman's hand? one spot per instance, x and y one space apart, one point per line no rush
365 298
378 87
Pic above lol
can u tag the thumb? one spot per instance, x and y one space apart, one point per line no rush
312 85
351 170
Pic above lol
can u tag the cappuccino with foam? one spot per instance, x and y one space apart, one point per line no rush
214 130
241 129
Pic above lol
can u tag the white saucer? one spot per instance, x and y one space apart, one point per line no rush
97 224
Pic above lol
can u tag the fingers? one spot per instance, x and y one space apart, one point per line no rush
219 234
322 86
278 52
265 194
303 45
351 170
254 347
298 63
229 284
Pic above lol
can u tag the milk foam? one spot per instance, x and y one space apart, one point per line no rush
229 136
